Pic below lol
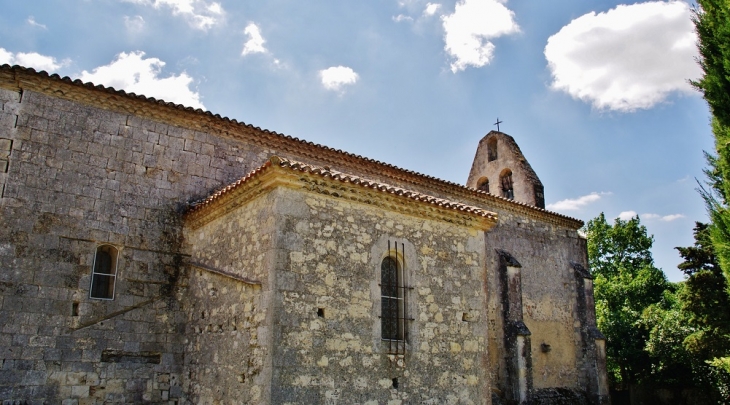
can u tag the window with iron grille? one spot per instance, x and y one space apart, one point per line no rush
393 301
104 273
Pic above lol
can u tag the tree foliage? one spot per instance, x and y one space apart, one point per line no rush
700 256
659 332
707 307
712 23
626 283
689 331
611 247
668 327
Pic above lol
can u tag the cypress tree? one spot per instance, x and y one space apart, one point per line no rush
712 23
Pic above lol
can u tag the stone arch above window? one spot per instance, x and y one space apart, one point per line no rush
483 184
104 272
492 149
506 185
394 326
394 299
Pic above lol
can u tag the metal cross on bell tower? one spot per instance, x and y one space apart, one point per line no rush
497 123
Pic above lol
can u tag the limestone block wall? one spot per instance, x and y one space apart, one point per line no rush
227 354
76 174
224 357
327 343
9 103
77 177
549 300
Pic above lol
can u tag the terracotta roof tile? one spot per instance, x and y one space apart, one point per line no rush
326 172
199 111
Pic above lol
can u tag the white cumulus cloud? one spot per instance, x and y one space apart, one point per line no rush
255 43
336 77
630 57
31 59
134 73
468 31
627 215
200 14
574 204
431 9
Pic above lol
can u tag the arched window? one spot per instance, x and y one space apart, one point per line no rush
483 184
492 150
392 305
506 183
104 274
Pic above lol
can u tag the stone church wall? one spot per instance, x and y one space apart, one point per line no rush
73 176
328 345
549 300
224 354
77 177
227 301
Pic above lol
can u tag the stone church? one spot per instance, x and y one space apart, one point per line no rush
152 253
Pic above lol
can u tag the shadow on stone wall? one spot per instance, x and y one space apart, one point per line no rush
549 396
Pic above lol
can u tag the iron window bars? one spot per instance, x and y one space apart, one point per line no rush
393 302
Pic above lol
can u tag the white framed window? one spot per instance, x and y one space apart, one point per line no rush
104 273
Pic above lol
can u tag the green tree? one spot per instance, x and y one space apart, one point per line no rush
707 307
700 256
703 297
688 329
712 23
626 283
668 327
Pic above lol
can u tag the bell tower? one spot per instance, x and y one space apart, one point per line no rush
499 168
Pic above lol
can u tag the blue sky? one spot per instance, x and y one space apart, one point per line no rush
595 93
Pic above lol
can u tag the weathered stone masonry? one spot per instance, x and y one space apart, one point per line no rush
268 293
326 337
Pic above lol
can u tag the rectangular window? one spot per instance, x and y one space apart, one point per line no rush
104 273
